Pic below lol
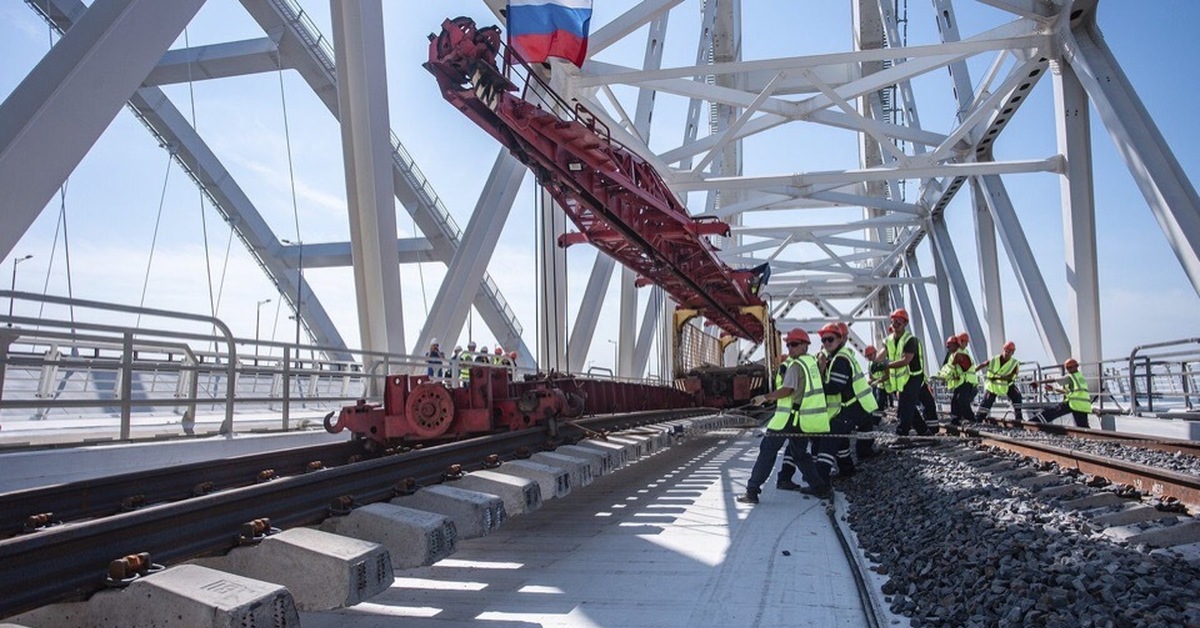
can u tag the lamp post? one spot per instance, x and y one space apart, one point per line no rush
614 344
257 317
299 285
16 260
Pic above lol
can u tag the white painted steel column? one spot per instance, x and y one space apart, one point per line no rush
634 349
51 120
366 152
941 276
1079 215
942 242
919 295
989 273
552 286
584 328
1169 193
627 324
470 262
1029 276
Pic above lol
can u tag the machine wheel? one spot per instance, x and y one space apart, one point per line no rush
430 410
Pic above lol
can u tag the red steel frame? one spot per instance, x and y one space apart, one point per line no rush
617 200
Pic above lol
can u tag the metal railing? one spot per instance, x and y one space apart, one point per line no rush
1164 376
83 370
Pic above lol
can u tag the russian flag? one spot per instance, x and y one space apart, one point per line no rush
540 29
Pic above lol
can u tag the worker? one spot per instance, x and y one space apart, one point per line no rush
512 364
785 480
434 358
484 356
1077 400
464 366
955 371
906 374
500 359
847 395
877 372
1001 375
799 408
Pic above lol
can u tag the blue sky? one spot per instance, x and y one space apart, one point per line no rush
113 198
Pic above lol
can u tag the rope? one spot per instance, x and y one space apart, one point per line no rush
162 199
60 226
287 136
212 301
421 273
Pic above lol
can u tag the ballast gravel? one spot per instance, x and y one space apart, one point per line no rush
963 547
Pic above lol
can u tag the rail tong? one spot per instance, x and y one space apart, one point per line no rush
618 201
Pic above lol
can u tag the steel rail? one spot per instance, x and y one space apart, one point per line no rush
69 561
1171 446
110 495
1150 480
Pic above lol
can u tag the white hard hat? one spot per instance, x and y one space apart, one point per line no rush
433 342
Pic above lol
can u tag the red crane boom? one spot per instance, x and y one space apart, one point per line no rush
617 200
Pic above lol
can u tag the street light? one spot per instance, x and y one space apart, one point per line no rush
299 284
257 316
614 344
16 260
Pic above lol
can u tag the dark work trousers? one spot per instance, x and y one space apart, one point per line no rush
815 467
865 422
882 398
787 471
844 423
906 410
1062 409
989 397
960 403
768 449
928 403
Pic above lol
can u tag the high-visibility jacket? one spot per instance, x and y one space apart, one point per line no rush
899 376
998 375
951 373
968 376
811 415
1078 397
863 395
464 365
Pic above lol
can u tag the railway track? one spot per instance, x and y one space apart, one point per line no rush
68 561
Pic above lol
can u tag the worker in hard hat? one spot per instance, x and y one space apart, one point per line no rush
800 409
455 365
434 357
959 375
1001 376
465 360
848 396
906 375
1077 400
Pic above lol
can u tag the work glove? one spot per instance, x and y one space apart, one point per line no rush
758 400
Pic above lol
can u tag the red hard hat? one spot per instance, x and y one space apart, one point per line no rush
869 351
1071 363
963 338
797 334
499 351
900 313
512 354
844 329
952 340
1009 346
831 328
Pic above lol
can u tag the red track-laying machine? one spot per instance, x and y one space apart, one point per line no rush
622 206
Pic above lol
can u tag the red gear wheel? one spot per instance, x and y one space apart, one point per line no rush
430 410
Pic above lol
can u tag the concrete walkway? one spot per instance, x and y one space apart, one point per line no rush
659 543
